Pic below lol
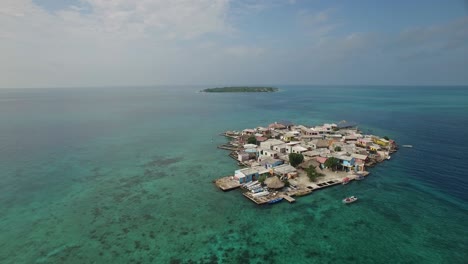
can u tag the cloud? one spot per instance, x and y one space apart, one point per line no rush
317 23
425 42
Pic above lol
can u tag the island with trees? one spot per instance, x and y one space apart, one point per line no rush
241 89
285 160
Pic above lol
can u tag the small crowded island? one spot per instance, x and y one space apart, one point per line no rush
241 89
285 160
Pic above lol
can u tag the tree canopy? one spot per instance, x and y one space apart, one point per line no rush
252 140
332 162
295 159
313 174
337 148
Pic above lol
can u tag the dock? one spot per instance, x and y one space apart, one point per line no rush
227 183
289 198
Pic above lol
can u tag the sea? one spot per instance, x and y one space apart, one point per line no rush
125 175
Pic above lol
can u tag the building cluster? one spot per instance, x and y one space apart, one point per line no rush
273 144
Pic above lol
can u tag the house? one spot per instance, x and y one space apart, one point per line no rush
322 161
287 124
359 165
298 149
312 153
284 170
350 138
246 175
268 152
374 147
381 141
261 139
359 157
321 143
364 142
248 131
347 162
290 135
280 148
268 144
276 126
329 127
249 146
263 130
269 162
242 156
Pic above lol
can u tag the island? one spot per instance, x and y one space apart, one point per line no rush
241 89
285 160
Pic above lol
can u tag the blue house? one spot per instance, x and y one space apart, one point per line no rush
246 175
346 162
269 162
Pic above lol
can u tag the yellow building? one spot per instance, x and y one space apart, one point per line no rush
381 141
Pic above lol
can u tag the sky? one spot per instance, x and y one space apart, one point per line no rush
89 43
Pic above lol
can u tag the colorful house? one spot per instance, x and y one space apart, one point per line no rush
347 162
381 141
374 147
364 142
322 161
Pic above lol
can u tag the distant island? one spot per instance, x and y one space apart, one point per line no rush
241 89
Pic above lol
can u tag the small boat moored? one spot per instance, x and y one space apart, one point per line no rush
345 181
359 177
276 200
407 146
349 200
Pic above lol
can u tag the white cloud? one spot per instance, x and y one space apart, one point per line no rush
317 24
117 41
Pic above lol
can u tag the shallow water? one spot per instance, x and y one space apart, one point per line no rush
123 175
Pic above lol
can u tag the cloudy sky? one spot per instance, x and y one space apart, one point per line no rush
77 43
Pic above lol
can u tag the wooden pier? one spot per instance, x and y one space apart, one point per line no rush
289 198
227 183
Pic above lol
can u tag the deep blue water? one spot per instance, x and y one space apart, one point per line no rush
124 175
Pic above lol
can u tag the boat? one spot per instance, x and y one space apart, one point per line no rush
349 200
345 181
389 157
260 194
276 200
407 146
359 177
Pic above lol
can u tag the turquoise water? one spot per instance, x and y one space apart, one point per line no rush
123 175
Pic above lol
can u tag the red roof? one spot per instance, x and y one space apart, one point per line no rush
321 160
261 139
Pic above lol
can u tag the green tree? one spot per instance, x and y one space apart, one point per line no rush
313 174
337 148
386 138
262 178
295 159
252 140
332 162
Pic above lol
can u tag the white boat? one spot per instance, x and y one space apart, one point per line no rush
260 194
349 200
250 184
407 146
388 157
